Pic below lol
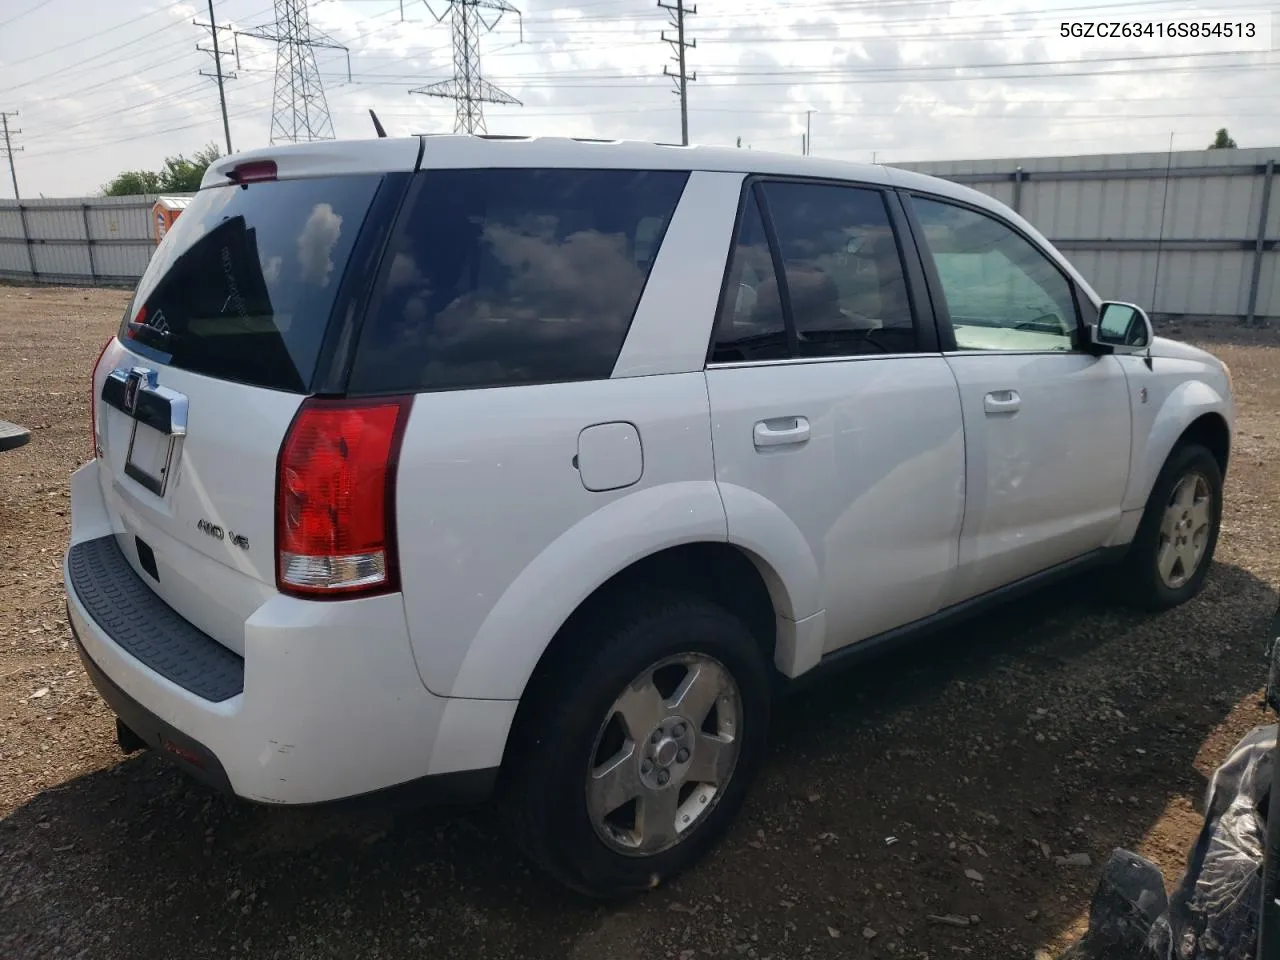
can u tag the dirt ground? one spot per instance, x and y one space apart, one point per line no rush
1060 726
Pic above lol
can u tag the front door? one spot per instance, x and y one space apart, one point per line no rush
1047 425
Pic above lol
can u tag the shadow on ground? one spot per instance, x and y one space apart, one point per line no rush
945 779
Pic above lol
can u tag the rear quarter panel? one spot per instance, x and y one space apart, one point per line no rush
500 541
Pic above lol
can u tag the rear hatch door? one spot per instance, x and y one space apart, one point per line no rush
222 342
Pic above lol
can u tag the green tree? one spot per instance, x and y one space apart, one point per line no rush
131 183
1222 141
179 174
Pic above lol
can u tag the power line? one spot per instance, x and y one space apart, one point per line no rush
679 44
30 10
467 87
300 111
97 56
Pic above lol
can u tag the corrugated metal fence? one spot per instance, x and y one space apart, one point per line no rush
92 240
1187 234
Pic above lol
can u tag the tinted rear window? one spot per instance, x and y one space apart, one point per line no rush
244 282
503 277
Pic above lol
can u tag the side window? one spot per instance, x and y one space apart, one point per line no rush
750 325
506 277
1002 292
848 290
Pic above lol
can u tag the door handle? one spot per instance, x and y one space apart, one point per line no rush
1001 401
781 431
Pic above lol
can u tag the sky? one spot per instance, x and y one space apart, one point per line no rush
104 87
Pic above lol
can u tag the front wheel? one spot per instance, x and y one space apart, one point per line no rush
635 755
1174 546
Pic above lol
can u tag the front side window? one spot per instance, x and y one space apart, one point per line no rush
1001 291
500 277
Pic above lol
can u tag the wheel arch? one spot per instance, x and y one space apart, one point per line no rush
1210 430
724 573
1193 412
673 533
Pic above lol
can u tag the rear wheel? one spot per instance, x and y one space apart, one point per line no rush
636 752
1176 539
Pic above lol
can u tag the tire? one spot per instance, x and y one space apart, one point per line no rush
1144 584
568 733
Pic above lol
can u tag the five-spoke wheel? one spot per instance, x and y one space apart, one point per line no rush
638 742
661 757
1173 548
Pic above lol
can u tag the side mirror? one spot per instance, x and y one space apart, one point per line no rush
1122 328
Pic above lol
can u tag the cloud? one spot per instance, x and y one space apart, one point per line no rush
315 244
898 79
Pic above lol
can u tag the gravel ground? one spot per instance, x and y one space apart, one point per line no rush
947 781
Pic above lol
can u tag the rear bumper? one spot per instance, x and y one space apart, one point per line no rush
325 705
462 787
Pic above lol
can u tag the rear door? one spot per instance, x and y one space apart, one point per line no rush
831 402
222 341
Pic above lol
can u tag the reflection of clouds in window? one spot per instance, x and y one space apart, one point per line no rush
403 271
316 242
585 275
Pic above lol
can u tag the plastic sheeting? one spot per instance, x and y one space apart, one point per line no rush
1212 914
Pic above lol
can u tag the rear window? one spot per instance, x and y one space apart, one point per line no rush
242 286
498 277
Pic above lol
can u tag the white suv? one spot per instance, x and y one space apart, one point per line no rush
539 466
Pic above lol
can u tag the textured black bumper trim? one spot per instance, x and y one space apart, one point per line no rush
139 622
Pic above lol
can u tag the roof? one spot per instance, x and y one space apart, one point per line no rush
445 151
174 203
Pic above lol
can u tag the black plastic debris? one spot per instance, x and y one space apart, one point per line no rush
1212 914
1129 900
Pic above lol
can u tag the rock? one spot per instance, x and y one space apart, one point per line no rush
835 934
42 692
950 920
975 876
869 934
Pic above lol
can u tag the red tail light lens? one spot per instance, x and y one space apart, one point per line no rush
93 401
335 498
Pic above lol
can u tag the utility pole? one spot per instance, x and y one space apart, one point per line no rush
218 73
467 88
808 132
678 43
10 149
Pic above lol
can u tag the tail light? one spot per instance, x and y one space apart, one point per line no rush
335 498
253 171
93 401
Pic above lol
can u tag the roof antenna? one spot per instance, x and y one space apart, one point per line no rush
377 124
